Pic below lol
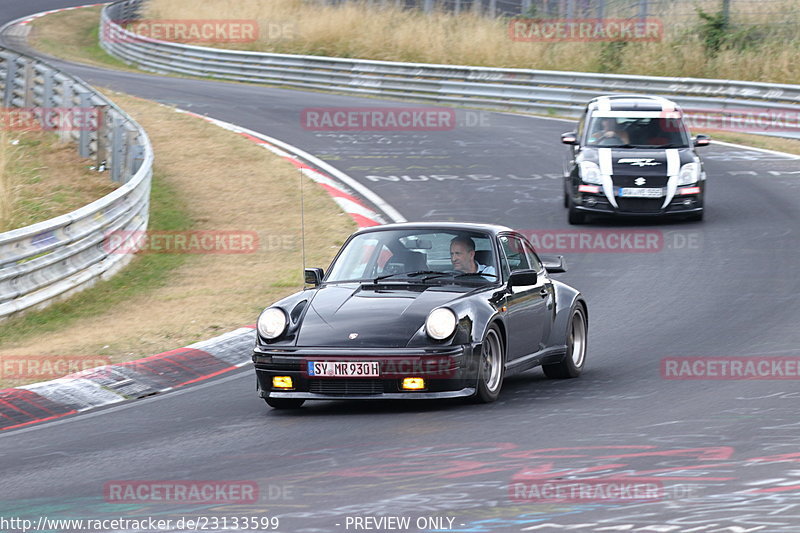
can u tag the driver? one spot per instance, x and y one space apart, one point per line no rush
610 130
462 255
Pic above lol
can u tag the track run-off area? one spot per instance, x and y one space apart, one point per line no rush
717 455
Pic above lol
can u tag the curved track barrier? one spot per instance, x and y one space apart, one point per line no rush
771 109
49 260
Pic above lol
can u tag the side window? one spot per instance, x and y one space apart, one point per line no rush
514 253
533 259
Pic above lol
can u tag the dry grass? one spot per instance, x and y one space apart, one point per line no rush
229 184
41 178
351 30
73 35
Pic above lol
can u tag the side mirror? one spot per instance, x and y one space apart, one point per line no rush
555 264
522 278
701 140
569 138
314 276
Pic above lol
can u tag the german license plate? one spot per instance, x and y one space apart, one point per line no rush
345 369
644 192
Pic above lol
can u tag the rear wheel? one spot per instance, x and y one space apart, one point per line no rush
696 217
572 364
284 403
491 366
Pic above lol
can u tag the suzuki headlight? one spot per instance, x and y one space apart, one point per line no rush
690 173
441 323
590 172
272 323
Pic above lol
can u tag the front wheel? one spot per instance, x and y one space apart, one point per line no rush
574 216
491 366
572 364
284 403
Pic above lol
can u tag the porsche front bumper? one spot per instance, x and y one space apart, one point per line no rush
449 372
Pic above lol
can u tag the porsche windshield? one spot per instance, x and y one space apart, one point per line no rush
417 255
637 131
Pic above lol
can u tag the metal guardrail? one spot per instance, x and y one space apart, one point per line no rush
535 91
49 260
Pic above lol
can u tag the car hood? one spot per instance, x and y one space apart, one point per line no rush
641 162
385 316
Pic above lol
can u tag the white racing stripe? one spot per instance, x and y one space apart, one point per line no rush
606 170
673 169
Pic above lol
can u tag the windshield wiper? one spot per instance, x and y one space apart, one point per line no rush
412 274
673 145
463 274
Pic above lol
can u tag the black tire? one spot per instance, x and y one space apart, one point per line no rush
574 216
575 358
491 366
566 195
284 403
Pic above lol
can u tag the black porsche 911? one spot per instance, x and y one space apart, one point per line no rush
421 311
632 155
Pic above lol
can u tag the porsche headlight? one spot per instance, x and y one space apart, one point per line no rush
272 323
590 172
441 323
690 173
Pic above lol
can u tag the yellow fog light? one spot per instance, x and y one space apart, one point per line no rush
413 383
282 382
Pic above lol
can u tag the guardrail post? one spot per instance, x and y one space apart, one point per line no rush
84 137
28 81
67 95
11 75
47 88
131 154
116 147
102 135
